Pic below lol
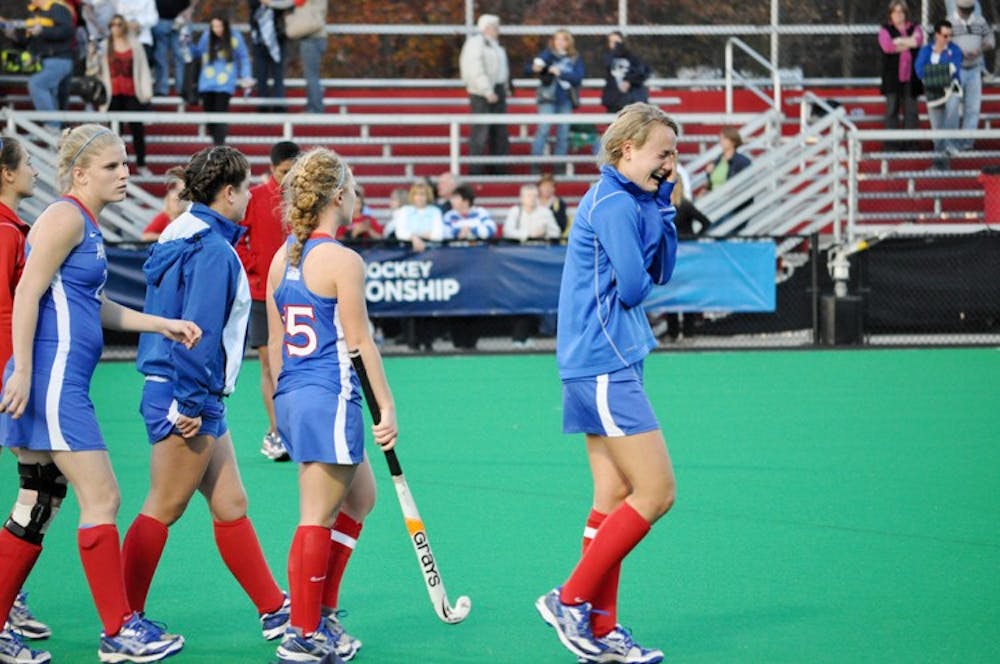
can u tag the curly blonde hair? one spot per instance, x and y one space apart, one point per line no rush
312 183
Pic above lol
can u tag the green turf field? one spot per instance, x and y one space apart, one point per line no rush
832 507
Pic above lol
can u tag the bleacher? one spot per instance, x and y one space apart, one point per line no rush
892 187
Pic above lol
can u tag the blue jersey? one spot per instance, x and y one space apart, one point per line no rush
67 346
622 242
313 350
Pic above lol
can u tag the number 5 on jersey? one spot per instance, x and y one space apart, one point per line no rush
298 324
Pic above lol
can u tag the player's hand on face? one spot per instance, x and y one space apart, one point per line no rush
188 426
15 394
386 431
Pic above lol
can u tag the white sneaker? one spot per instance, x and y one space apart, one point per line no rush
273 448
623 650
24 623
345 645
13 650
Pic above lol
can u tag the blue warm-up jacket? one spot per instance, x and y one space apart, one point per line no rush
622 242
193 273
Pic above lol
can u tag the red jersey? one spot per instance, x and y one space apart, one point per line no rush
13 234
264 236
158 224
120 66
344 232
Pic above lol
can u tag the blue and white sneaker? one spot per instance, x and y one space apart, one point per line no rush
274 623
139 640
320 646
24 623
622 648
13 650
572 624
346 645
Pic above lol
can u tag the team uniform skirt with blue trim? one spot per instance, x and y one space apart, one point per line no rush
317 424
59 417
159 412
612 404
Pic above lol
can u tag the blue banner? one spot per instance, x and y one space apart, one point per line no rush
483 280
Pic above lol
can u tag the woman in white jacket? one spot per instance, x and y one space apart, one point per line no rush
530 220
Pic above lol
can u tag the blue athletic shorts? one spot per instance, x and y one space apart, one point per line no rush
613 404
317 424
159 411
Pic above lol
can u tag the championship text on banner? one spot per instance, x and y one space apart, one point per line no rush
515 279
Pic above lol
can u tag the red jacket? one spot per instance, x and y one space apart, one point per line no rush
13 232
265 233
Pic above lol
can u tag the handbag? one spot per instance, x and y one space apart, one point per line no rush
89 88
937 79
305 20
15 61
574 96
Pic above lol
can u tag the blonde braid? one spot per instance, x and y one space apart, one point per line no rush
310 185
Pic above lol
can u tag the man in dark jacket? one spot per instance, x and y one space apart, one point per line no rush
624 76
50 33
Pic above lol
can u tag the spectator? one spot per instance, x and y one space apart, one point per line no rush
900 40
125 73
547 197
268 43
398 199
223 56
530 220
689 219
173 206
974 36
938 65
444 187
265 232
486 74
49 33
624 76
730 162
167 44
419 221
363 226
312 45
466 221
142 17
560 72
96 16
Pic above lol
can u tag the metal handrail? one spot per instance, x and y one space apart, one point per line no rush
775 101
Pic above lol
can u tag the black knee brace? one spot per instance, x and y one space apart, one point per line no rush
29 522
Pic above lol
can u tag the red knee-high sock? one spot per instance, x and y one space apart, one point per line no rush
616 537
240 549
604 617
141 553
343 538
307 567
101 556
17 557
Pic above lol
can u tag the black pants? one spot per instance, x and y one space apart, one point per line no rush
216 102
131 103
492 136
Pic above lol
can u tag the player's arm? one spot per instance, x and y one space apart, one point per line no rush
114 316
616 222
349 276
275 324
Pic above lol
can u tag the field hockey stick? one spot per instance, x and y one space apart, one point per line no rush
414 524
